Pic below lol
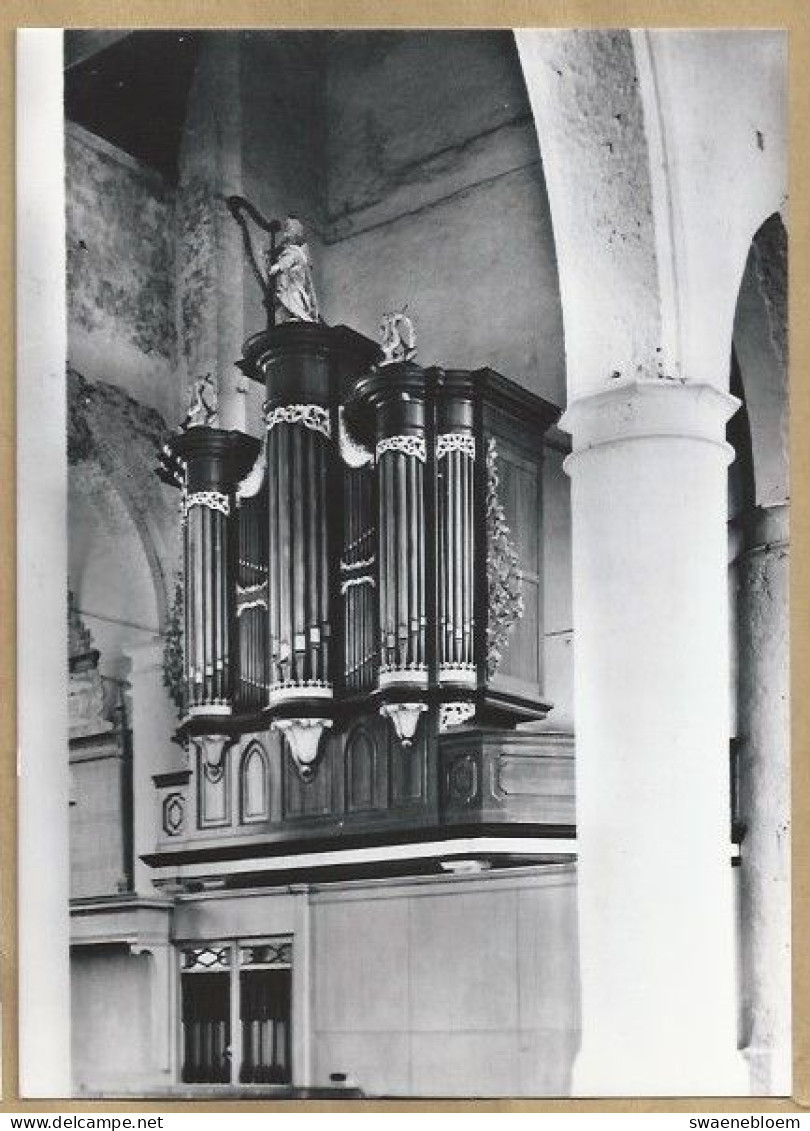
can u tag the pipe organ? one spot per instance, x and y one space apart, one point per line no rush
206 464
362 579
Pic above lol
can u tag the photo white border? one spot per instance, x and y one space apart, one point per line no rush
43 875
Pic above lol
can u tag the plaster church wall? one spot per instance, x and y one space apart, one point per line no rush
430 145
106 556
122 389
111 1024
120 271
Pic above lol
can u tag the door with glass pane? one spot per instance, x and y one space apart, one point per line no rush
236 1012
265 1014
206 1013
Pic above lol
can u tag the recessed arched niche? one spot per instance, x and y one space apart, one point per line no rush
359 770
254 785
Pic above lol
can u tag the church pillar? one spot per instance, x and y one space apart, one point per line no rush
650 602
210 308
764 776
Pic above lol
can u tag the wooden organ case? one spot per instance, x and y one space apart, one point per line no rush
363 608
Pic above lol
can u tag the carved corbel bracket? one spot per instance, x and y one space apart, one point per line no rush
213 748
404 719
303 738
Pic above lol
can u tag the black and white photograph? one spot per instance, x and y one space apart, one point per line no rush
403 564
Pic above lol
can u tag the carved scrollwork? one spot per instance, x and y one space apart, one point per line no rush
312 416
214 500
455 442
455 714
408 445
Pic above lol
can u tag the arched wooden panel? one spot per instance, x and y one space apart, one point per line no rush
360 770
254 785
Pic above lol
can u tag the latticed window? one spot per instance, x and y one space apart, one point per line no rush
236 1012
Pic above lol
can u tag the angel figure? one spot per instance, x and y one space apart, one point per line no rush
291 269
202 405
283 272
397 337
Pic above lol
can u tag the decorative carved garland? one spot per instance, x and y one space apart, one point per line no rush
408 445
455 442
504 579
312 416
253 482
173 674
353 453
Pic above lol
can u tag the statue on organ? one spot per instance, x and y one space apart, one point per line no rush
291 270
285 276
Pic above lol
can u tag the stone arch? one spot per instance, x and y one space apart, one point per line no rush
715 112
108 568
584 92
110 432
657 178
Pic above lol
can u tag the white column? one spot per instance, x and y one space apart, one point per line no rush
153 722
651 669
764 777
